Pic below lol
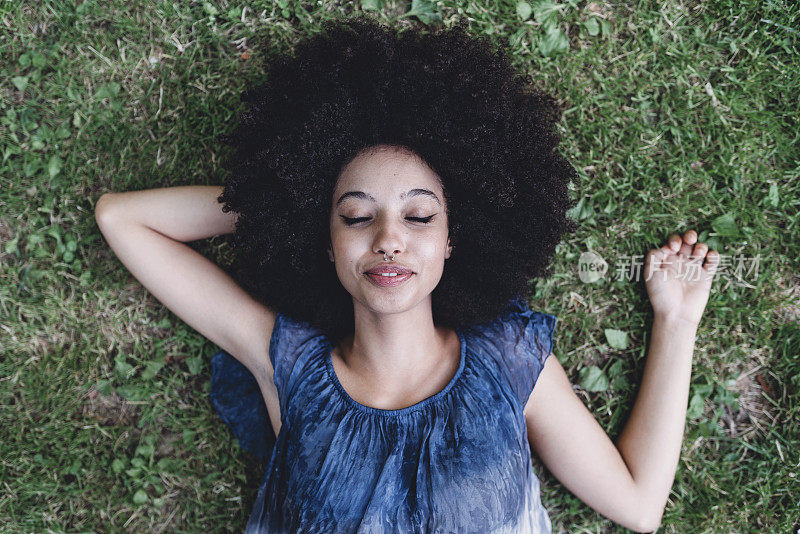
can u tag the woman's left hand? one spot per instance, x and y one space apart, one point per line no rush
678 277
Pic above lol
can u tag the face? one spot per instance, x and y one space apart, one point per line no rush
387 200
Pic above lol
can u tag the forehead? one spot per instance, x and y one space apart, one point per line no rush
387 170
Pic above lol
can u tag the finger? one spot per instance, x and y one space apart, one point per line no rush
712 261
699 251
674 243
658 255
672 246
689 239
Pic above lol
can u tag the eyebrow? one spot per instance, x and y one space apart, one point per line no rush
412 193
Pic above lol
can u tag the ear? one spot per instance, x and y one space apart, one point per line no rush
449 249
330 253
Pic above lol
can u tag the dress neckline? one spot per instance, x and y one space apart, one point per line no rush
400 411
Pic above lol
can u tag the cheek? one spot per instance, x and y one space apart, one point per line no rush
433 247
349 251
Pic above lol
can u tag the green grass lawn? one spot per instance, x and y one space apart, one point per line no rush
679 115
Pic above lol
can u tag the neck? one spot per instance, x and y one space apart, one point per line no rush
396 349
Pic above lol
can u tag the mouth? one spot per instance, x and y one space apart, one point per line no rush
389 270
388 275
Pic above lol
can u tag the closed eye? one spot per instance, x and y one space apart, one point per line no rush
353 220
349 221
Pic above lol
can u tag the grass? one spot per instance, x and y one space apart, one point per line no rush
678 115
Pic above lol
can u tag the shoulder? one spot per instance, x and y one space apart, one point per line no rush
518 342
516 324
292 337
293 342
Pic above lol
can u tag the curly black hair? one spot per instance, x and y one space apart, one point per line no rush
451 98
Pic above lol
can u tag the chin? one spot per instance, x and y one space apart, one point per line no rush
396 303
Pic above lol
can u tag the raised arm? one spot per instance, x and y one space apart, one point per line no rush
146 229
184 213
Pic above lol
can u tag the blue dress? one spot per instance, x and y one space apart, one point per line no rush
458 461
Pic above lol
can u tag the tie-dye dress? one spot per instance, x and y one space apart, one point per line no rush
458 461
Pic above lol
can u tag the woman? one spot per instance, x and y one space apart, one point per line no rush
391 198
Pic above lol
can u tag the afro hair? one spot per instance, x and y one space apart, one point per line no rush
449 97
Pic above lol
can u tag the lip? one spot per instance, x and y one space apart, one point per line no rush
388 281
399 269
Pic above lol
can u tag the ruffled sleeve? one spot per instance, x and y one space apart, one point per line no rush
292 344
520 341
236 395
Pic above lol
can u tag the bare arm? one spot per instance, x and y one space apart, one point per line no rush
577 451
651 441
184 213
630 482
145 230
678 277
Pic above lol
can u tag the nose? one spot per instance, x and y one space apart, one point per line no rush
389 238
